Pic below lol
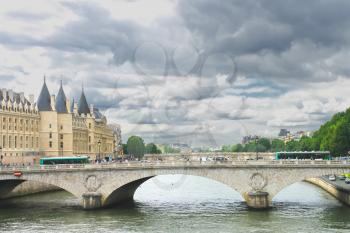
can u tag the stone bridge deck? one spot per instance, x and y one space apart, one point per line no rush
136 164
98 185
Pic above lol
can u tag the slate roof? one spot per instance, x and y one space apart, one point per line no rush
61 106
14 97
83 106
98 114
44 100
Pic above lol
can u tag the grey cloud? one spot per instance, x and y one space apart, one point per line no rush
7 78
21 15
262 35
278 45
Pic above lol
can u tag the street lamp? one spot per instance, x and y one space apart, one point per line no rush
256 148
1 157
114 150
99 149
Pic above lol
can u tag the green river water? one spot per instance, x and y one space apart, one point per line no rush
179 204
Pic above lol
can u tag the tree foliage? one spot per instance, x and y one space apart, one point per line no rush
168 149
151 148
333 136
135 146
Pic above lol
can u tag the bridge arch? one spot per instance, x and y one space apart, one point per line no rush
123 189
288 177
9 183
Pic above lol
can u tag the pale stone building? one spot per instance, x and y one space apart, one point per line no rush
19 128
52 127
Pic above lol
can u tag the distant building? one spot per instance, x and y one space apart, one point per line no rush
283 133
249 138
117 138
301 134
184 148
287 136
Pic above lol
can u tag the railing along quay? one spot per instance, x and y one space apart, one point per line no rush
138 164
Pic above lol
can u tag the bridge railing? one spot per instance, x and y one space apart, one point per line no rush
136 164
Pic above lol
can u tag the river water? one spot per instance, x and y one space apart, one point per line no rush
180 204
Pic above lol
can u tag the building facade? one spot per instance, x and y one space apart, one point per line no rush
53 126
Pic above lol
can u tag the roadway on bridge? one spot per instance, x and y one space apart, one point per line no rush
340 184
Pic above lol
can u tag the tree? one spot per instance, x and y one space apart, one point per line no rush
151 148
264 143
125 149
277 145
136 146
339 144
237 148
168 149
292 146
226 148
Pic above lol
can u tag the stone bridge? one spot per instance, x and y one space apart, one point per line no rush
107 184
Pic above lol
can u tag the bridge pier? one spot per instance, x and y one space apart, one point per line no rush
257 199
92 200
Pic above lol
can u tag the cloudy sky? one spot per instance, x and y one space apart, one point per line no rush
200 72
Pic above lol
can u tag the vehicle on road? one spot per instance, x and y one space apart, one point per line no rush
332 178
341 177
220 158
347 181
64 160
313 155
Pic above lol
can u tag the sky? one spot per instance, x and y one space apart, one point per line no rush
201 72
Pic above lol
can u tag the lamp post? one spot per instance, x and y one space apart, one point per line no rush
99 149
1 157
114 150
256 147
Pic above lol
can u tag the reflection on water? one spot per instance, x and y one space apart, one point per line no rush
197 205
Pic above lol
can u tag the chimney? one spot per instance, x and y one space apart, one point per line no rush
4 95
10 93
91 109
75 108
53 102
31 98
21 97
68 105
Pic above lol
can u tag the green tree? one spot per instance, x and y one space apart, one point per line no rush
237 148
306 144
339 143
167 149
277 145
292 145
226 148
135 146
125 149
151 148
264 144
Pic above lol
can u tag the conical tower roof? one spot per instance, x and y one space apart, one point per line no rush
61 106
83 106
44 100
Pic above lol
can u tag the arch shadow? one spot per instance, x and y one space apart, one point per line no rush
125 193
7 186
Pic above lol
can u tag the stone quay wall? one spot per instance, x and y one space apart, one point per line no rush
340 193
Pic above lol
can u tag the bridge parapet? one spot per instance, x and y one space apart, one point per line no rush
135 164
